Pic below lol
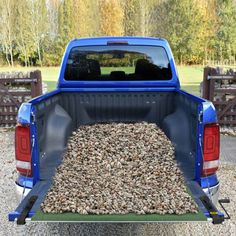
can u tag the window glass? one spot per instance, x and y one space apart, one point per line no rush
118 62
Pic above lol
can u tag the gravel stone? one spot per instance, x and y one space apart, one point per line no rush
118 169
8 199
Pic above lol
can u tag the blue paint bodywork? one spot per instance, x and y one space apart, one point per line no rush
209 181
26 118
34 149
27 110
208 116
15 214
24 181
24 114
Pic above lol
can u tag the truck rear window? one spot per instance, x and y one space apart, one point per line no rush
118 62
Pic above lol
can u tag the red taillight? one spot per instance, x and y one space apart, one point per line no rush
211 149
23 150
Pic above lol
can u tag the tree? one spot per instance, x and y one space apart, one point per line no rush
24 39
131 17
85 17
207 29
225 42
53 12
186 25
39 25
51 44
65 29
147 18
37 31
7 22
111 14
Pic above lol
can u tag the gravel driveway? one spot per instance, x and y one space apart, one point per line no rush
8 202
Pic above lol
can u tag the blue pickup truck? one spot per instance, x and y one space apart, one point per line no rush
116 79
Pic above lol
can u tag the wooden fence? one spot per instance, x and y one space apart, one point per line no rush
220 63
15 90
219 86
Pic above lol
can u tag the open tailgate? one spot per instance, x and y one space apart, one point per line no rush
31 209
30 206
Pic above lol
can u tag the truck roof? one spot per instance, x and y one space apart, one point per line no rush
131 40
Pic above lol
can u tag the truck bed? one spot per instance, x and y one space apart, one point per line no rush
59 114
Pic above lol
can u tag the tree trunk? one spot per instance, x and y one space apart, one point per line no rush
8 62
39 55
11 55
25 56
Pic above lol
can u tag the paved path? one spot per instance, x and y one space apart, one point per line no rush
228 149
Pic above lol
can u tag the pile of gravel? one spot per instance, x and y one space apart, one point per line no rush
118 169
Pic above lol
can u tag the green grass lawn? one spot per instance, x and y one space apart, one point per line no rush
190 76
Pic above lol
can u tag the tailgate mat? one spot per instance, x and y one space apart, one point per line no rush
70 217
193 188
41 188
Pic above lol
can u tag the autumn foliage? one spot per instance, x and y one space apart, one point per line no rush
36 32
